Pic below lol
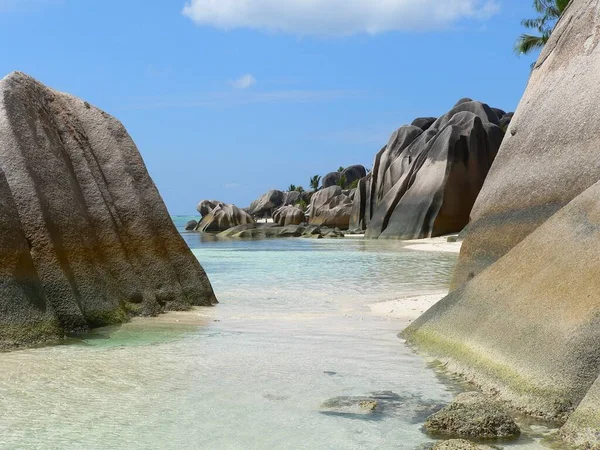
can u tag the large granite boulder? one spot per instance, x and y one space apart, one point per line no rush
331 179
424 183
353 173
267 203
221 217
85 239
330 207
289 215
523 318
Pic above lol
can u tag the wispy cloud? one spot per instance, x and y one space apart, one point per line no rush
337 17
244 97
244 82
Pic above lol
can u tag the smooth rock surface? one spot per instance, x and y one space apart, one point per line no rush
424 183
330 207
95 243
288 215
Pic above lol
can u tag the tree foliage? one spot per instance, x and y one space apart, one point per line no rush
314 182
549 11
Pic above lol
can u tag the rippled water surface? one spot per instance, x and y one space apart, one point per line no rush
292 331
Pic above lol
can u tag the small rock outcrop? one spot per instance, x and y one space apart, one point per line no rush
85 238
344 178
289 215
473 415
426 180
219 216
331 179
330 207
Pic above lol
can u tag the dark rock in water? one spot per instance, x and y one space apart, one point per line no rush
424 123
377 405
473 415
523 317
333 234
289 215
331 179
222 217
85 239
191 225
461 444
330 207
206 206
267 203
424 183
353 173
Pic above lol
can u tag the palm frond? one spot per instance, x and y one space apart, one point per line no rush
527 43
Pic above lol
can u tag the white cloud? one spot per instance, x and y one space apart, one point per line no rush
244 82
336 17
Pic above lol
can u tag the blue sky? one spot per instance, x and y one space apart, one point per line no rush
227 99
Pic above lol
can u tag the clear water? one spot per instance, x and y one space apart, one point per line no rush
291 332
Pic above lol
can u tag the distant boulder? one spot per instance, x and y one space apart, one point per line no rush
223 217
206 206
288 215
330 207
353 173
331 179
267 203
424 183
191 225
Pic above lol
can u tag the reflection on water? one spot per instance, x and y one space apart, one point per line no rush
292 332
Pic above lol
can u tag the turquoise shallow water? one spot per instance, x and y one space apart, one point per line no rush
292 331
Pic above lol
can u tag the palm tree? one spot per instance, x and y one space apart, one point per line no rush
549 13
299 189
314 182
292 188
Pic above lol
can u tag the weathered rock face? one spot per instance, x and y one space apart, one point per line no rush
524 315
219 216
473 415
272 230
425 181
331 179
461 444
353 173
330 207
288 215
267 203
85 237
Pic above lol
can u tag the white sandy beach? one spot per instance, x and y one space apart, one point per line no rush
409 308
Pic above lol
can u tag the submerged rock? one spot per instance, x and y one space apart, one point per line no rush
85 239
473 415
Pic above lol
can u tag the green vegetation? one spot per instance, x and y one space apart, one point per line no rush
299 189
549 12
341 169
302 204
342 181
354 184
291 188
314 182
